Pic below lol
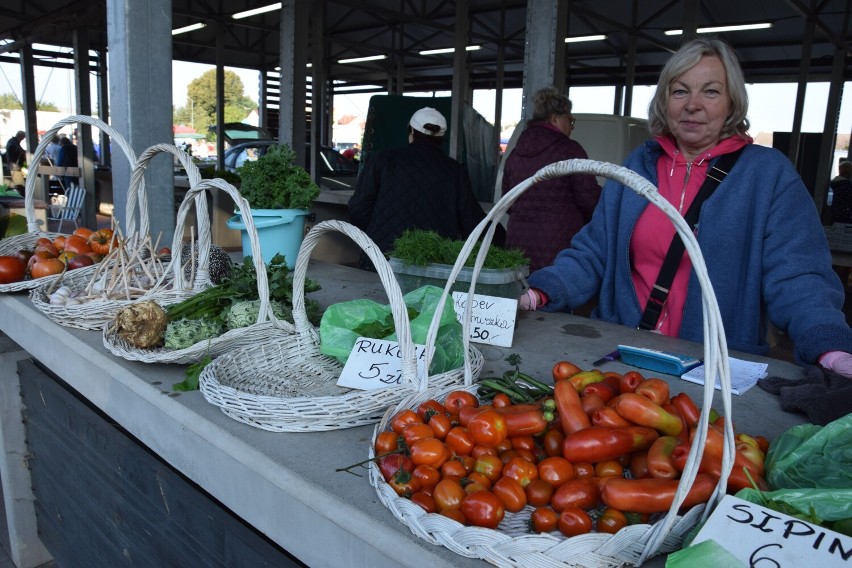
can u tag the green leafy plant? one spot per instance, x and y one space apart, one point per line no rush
420 247
230 177
274 181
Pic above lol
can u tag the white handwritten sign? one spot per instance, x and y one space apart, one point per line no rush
762 537
492 319
377 364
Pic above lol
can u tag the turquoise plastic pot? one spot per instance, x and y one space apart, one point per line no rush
279 231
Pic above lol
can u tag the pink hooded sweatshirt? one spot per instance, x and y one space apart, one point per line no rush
678 183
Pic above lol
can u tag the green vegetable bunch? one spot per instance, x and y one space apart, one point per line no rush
274 181
420 247
183 333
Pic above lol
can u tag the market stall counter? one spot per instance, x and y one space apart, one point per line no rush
283 487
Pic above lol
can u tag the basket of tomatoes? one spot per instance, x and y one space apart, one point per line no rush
132 264
663 509
39 244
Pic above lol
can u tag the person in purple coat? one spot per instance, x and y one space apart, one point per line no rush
545 218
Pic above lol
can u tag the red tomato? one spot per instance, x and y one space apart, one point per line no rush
556 470
488 428
448 494
459 441
480 478
47 267
429 451
564 370
583 469
574 521
521 470
403 418
472 487
511 493
415 432
503 446
607 417
102 241
609 468
611 521
591 403
403 483
596 444
483 509
482 450
12 269
386 442
552 442
639 465
501 400
453 467
459 399
659 460
490 466
544 519
392 463
441 425
427 475
425 501
603 389
454 514
539 492
522 442
583 493
428 408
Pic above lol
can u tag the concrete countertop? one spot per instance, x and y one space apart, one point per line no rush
285 484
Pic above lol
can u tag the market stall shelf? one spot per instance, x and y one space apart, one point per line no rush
510 544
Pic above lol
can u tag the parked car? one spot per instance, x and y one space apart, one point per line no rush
246 142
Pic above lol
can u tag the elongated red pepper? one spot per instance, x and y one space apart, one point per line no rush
585 378
607 417
641 410
660 463
653 495
689 411
629 381
715 446
655 389
639 465
602 389
712 465
591 402
570 409
595 444
684 431
523 419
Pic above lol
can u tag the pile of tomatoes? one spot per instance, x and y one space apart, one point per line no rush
82 248
605 450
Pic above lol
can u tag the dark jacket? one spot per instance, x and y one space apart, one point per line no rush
545 218
14 152
841 204
417 186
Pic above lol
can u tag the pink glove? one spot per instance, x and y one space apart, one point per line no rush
528 302
838 361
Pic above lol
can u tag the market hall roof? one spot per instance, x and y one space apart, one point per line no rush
401 31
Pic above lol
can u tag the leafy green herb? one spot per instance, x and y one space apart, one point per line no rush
420 247
193 373
274 181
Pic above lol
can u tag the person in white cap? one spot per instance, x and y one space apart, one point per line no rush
415 187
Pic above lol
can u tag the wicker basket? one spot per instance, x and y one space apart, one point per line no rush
172 289
512 544
28 240
287 385
93 315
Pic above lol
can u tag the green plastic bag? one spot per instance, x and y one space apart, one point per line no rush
343 323
825 504
809 456
705 554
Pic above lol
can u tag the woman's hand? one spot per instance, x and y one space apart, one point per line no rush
529 300
839 362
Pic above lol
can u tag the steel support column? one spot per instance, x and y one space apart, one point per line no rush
294 47
83 96
460 79
545 49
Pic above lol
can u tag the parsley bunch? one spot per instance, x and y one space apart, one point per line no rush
274 181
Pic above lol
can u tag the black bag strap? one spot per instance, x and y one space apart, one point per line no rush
660 291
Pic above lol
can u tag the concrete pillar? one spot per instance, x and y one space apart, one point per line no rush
545 51
460 79
85 150
140 59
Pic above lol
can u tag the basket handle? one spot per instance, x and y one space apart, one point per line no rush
29 197
715 345
397 303
265 311
137 187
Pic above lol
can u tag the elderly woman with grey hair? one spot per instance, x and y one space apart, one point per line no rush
762 241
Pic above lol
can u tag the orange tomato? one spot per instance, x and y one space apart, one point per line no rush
84 232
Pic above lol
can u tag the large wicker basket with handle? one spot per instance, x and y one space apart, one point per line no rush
511 544
102 303
34 232
287 385
173 288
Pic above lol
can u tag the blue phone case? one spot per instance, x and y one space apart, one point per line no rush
659 361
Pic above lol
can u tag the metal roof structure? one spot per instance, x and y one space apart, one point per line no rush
634 32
